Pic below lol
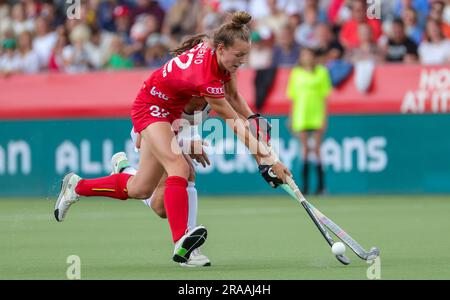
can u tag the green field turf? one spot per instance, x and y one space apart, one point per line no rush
249 238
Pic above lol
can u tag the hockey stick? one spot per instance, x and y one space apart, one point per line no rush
292 189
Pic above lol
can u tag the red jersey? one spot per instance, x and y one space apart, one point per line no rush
194 73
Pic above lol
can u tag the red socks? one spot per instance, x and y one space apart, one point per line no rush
177 205
114 186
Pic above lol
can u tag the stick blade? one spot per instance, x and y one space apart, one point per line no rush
343 259
373 253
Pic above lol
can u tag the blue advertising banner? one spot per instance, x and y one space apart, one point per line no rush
361 154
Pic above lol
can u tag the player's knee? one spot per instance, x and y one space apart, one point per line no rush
141 192
179 167
160 211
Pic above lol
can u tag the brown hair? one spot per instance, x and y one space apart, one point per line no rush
226 34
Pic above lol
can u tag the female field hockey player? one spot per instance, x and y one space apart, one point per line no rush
200 70
190 140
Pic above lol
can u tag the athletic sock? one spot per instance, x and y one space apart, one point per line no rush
148 202
113 186
176 204
305 177
193 200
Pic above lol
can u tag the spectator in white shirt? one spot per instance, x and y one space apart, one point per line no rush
28 59
435 49
44 41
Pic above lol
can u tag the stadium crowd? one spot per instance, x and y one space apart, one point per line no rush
38 36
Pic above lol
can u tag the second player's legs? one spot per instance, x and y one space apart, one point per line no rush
303 135
317 136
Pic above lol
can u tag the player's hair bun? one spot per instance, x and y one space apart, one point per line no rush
240 18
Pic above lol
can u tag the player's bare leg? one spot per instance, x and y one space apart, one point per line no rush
168 153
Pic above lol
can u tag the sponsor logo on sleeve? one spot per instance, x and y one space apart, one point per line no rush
161 95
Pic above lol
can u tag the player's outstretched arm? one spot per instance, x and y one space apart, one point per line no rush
262 153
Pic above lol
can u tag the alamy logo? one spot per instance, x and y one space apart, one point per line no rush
74 268
373 9
374 270
73 9
161 95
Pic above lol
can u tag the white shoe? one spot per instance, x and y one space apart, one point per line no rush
197 259
67 196
188 243
119 162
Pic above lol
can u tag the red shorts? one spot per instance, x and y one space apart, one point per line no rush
146 110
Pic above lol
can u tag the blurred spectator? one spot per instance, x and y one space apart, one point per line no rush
294 20
399 47
74 55
364 58
260 59
328 47
314 5
56 63
105 15
330 53
367 49
261 52
9 61
28 59
276 19
413 30
149 7
19 22
438 8
209 18
98 48
181 19
435 49
421 7
132 35
122 22
48 11
5 20
286 51
349 36
141 29
157 53
44 41
308 87
118 59
304 35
